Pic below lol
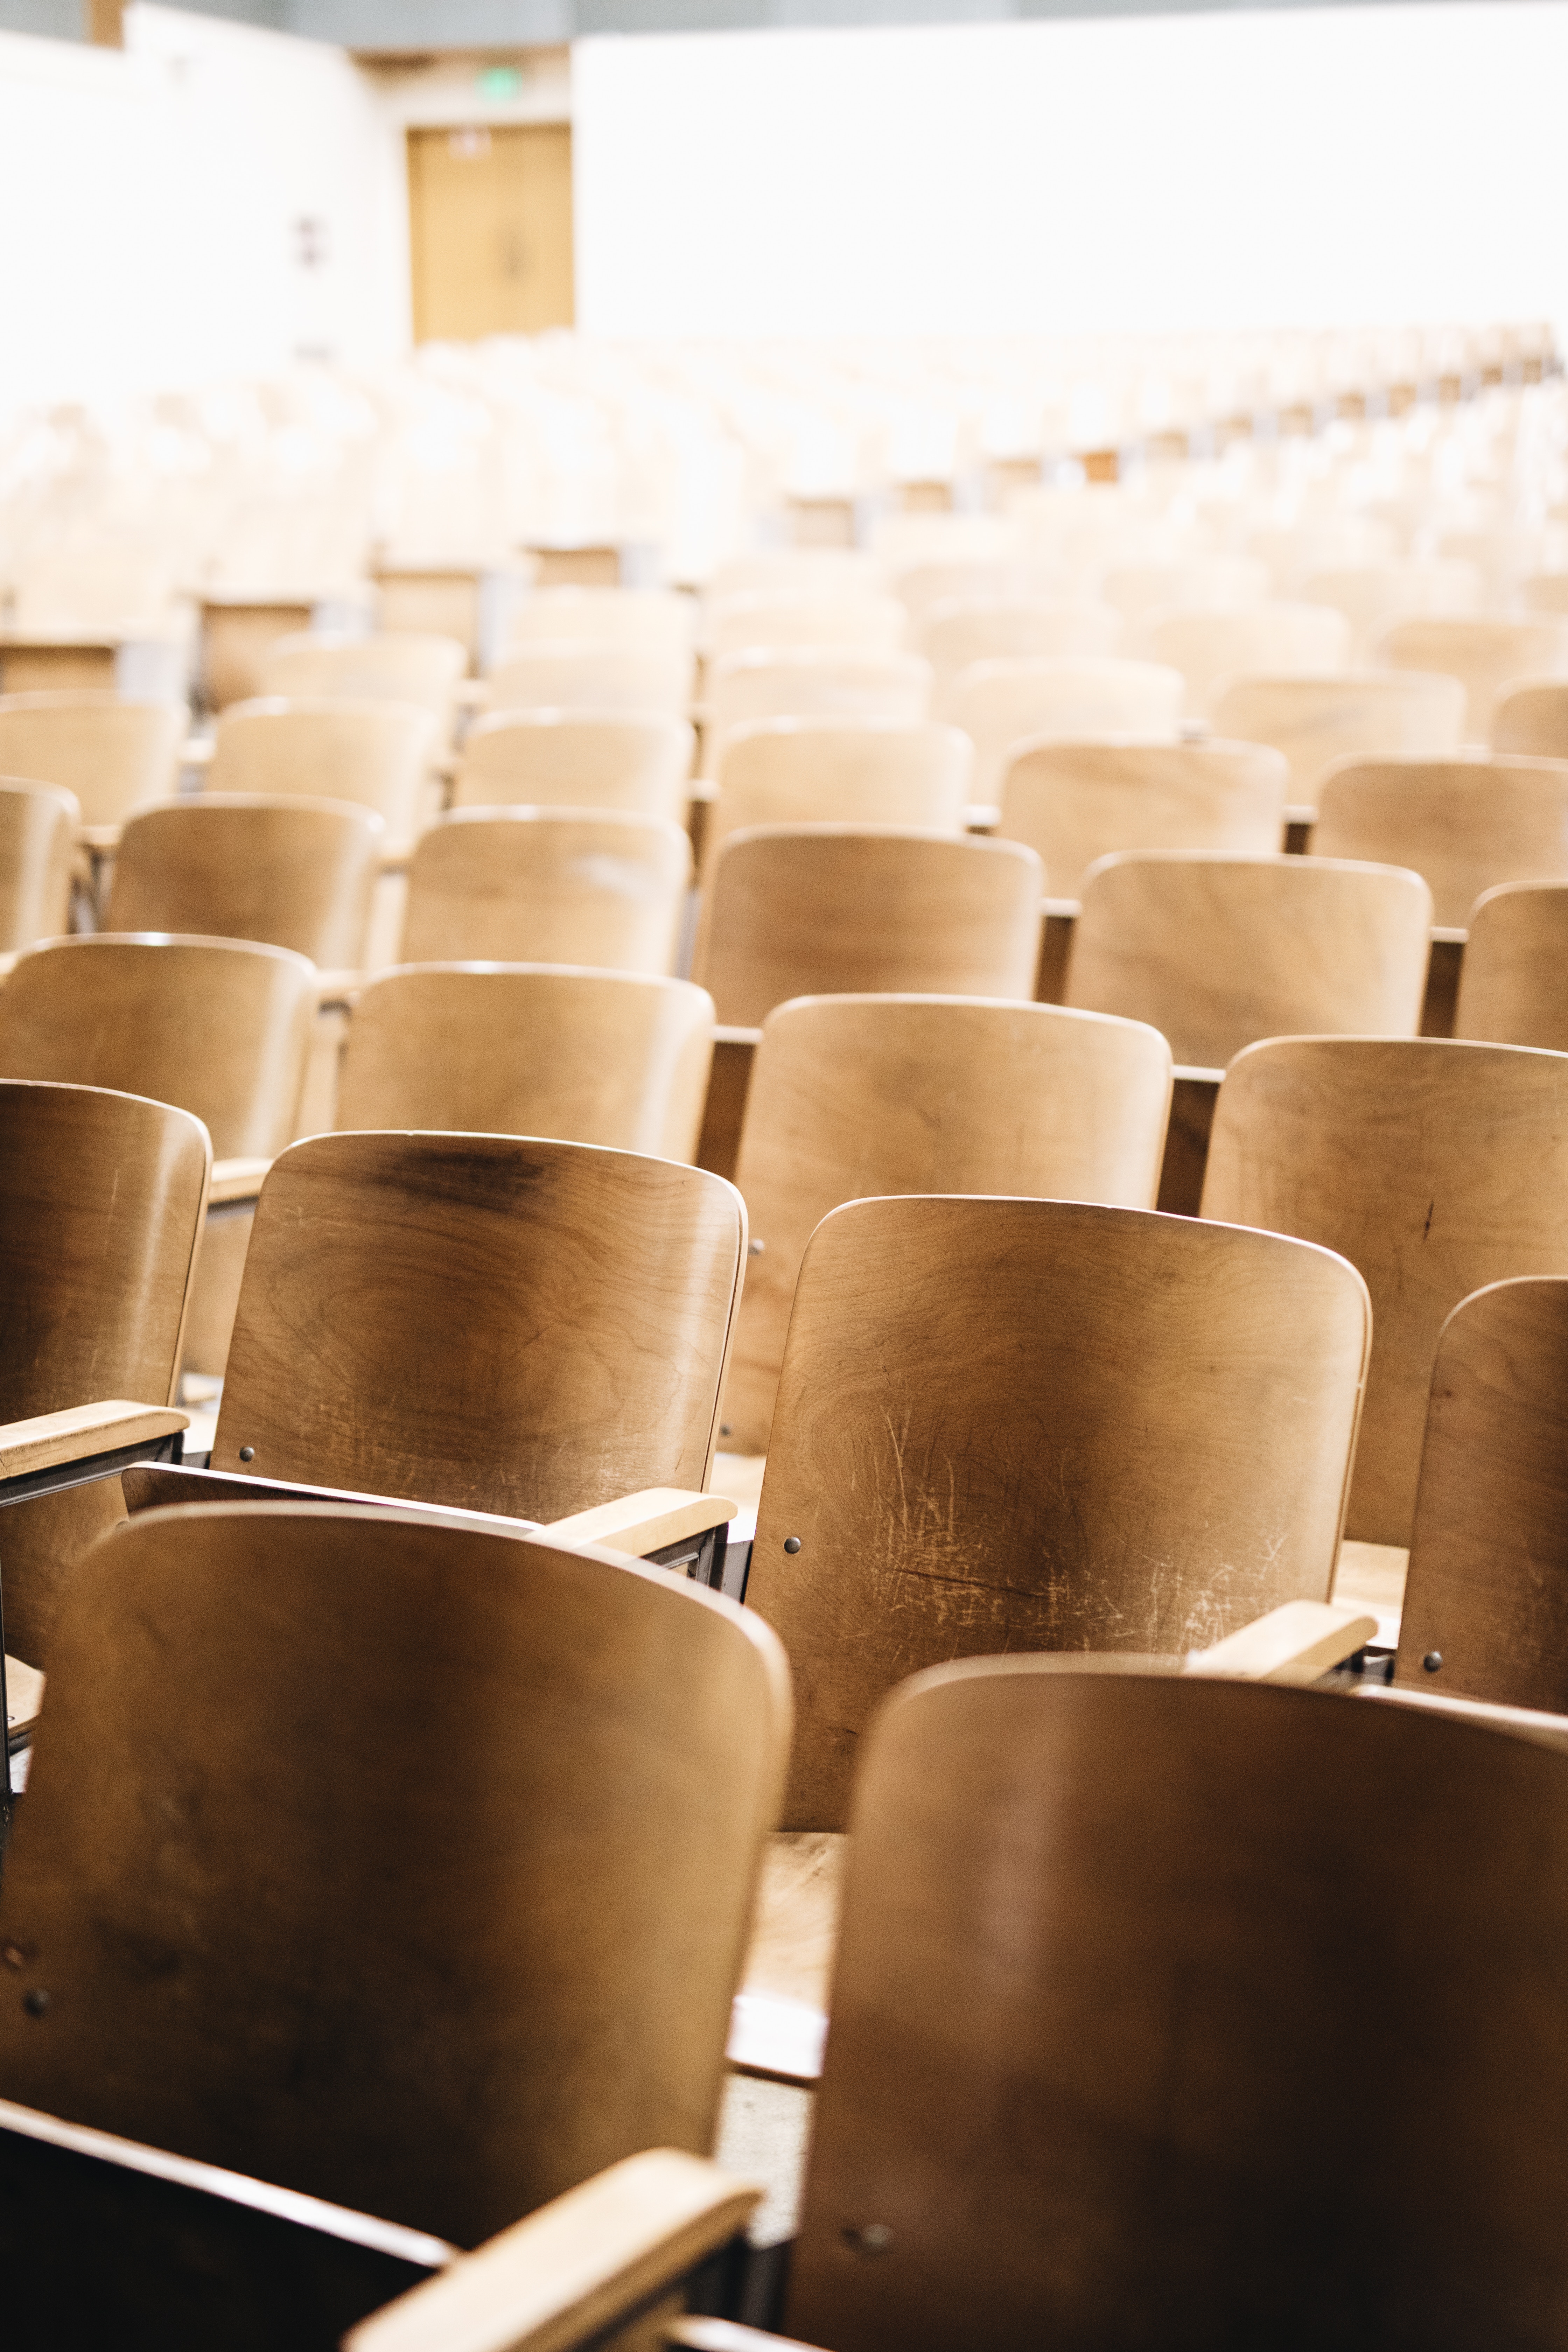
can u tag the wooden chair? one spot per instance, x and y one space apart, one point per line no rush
404 667
442 600
577 759
1433 1166
734 624
1485 654
1371 595
1204 583
111 753
859 1096
920 587
39 825
811 684
1513 981
1533 718
525 1049
637 620
1545 591
860 771
598 887
1292 550
1466 823
588 674
971 629
826 909
1210 648
1003 704
238 634
1316 721
1073 803
378 755
290 873
1015 1425
797 570
1219 951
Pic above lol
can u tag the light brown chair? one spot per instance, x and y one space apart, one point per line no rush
921 586
797 570
291 873
971 629
1434 1166
237 633
1292 550
600 888
577 759
375 755
1486 656
1545 591
1533 718
1014 1425
1209 648
1211 583
1374 714
1371 595
525 1049
825 909
112 753
859 1096
1219 951
810 684
588 674
1513 980
1073 803
734 624
402 667
1466 823
860 772
637 620
1001 705
37 850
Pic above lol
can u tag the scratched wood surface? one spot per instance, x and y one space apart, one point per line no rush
543 885
294 874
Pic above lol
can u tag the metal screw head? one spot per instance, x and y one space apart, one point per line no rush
875 2238
755 1249
1433 1661
35 2001
792 1543
726 1429
247 1452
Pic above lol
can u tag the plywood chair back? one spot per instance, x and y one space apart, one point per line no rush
1371 595
112 753
38 843
1286 640
445 1995
220 1027
829 909
847 770
1073 803
1219 951
1485 654
600 888
1513 980
292 873
966 630
404 666
1434 1166
496 1322
1366 715
1204 581
1002 704
637 620
871 623
375 755
1533 718
810 683
854 1096
1014 1425
530 1049
1467 823
1107 1934
588 674
577 759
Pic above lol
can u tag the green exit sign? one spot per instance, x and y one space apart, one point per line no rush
498 83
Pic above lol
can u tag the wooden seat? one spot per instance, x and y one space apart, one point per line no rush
604 889
37 837
377 755
577 759
1014 1425
860 772
290 873
822 909
1316 721
405 665
1371 595
859 1096
588 674
1533 718
738 624
111 753
810 683
237 633
1219 951
1485 654
1513 981
1210 648
1073 803
525 1049
1466 823
970 629
1432 1165
1003 704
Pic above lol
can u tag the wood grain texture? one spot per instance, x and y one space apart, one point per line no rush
1219 951
1073 803
1209 648
502 1323
849 772
37 836
1485 654
853 1097
1533 718
818 910
293 874
1008 1424
376 755
1108 1936
541 886
563 759
47 1439
445 1995
1004 704
1467 824
1434 1166
407 665
530 1049
1513 981
1369 714
112 753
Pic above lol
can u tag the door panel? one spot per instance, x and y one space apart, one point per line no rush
490 214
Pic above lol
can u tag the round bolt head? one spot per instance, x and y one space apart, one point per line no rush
755 1248
35 2001
1433 1661
875 2238
247 1452
792 1543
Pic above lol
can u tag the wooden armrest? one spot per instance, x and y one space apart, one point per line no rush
473 694
23 1698
236 1180
197 751
8 962
1193 1074
395 858
98 836
1524 1722
568 2271
1301 812
1060 910
337 990
729 2335
82 1430
644 1522
1449 935
725 1033
1294 1643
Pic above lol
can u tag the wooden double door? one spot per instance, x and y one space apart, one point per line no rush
490 219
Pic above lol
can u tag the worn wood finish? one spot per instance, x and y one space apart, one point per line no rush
1007 1425
37 836
112 753
821 910
1073 803
1288 640
811 684
1485 654
1316 721
1533 718
838 624
577 759
587 675
1513 980
855 1097
451 1993
1002 705
292 874
1467 824
46 1440
374 754
585 1057
218 1027
503 1324
1434 1166
850 771
402 667
600 888
1219 951
1123 2117
238 635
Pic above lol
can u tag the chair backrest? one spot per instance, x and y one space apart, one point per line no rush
1073 803
430 1890
871 623
1001 705
1371 595
1514 980
1434 1166
1544 591
845 771
1106 1935
413 600
971 629
1316 721
405 665
833 909
811 683
1532 716
577 759
921 586
220 1027
592 674
797 570
1212 582
112 753
37 847
238 635
1466 823
375 755
1289 640
855 1097
530 1049
491 1321
1012 1424
294 874
1219 951
1291 549
1484 653
638 620
599 887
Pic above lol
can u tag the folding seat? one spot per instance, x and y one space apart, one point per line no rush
38 826
577 759
971 629
1485 655
1371 595
290 873
1513 980
811 684
1075 802
1003 704
1532 716
1466 823
113 754
407 666
1363 714
1208 648
741 624
604 889
378 755
859 771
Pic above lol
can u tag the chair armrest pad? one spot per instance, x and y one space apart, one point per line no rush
645 1522
82 1430
1294 1643
236 1180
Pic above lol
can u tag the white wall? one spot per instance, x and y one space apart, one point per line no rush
1305 168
